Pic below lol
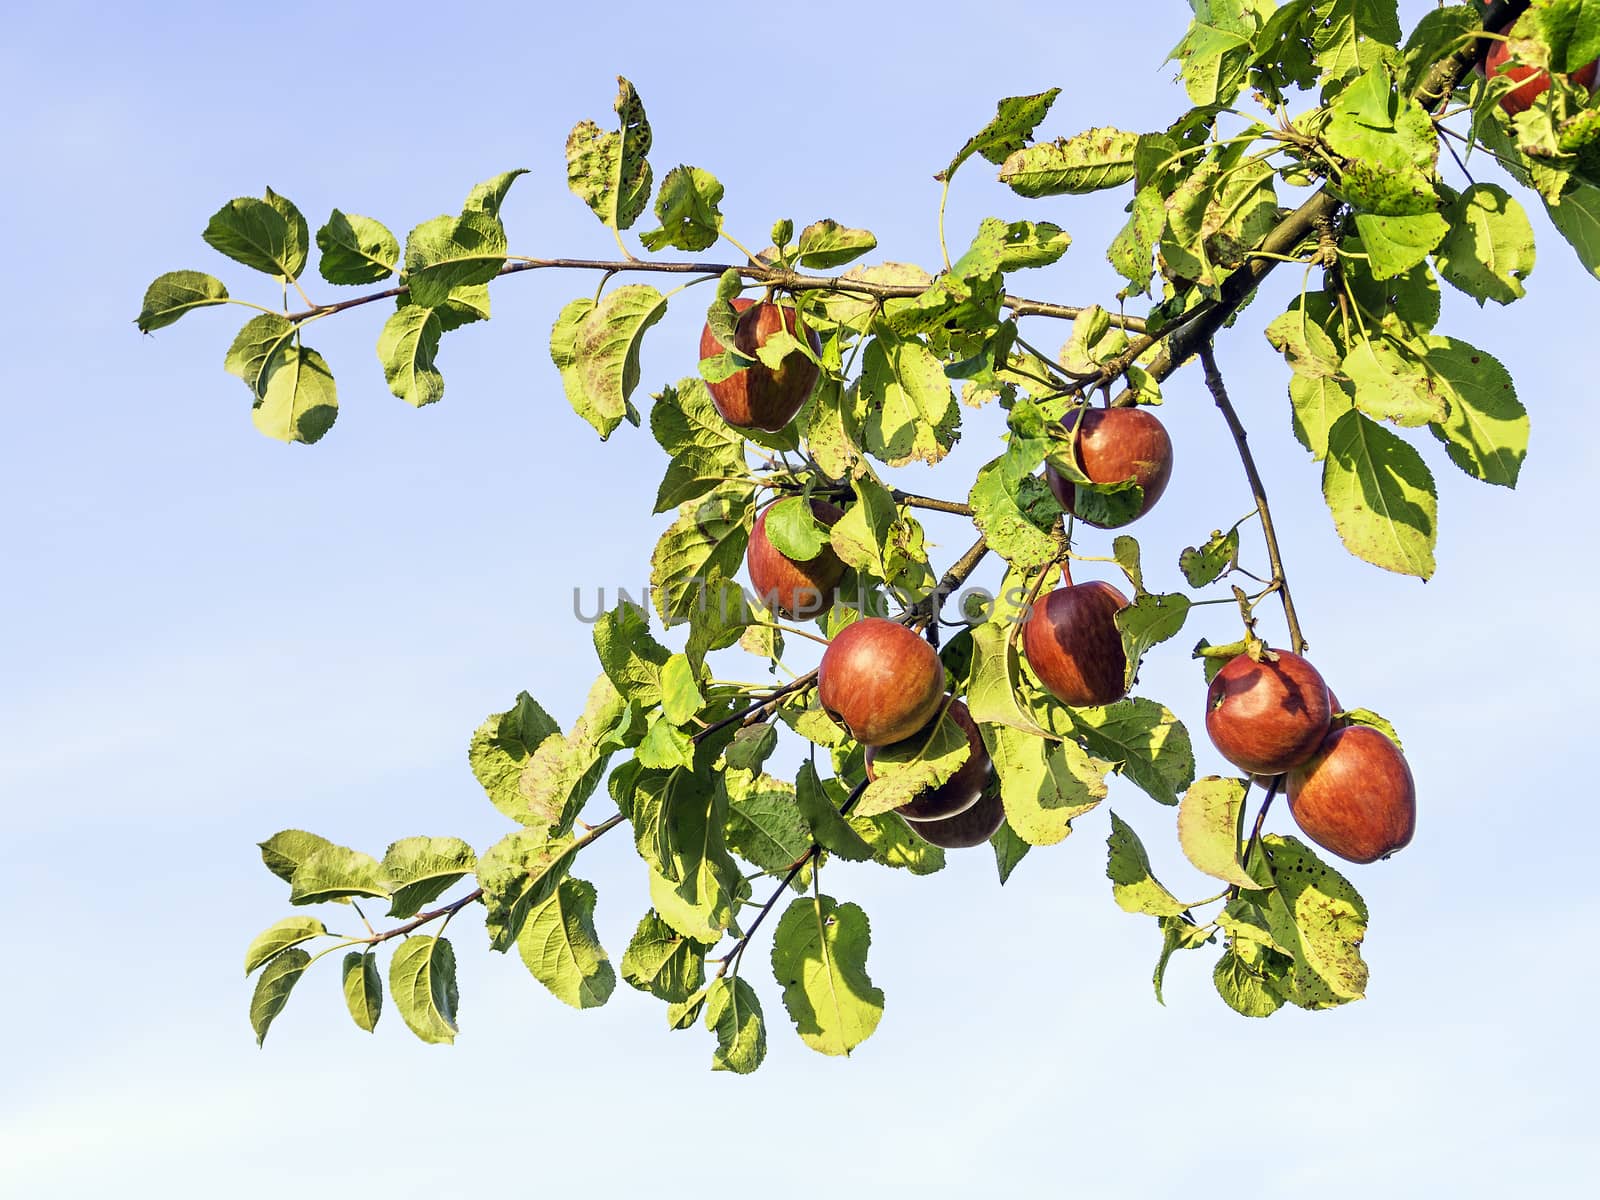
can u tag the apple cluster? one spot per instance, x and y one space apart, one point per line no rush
1268 712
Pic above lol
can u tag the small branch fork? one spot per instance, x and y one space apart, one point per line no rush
450 910
738 947
778 277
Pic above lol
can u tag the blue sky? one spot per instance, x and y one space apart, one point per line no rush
212 636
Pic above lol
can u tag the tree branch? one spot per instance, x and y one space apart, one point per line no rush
794 871
1219 393
472 897
777 276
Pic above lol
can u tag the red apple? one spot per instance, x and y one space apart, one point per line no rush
880 680
1113 444
1355 797
758 397
793 588
1267 717
1070 639
960 791
1521 99
973 827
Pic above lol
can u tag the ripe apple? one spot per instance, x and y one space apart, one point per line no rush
1113 444
758 397
972 827
880 681
1521 99
1355 797
1070 639
793 588
960 791
1267 717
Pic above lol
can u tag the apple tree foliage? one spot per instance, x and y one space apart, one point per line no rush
1314 139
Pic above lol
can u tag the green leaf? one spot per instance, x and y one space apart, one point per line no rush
826 245
751 746
490 195
1177 933
1381 495
407 347
821 814
518 873
1044 785
1009 850
764 822
1242 980
819 955
284 852
709 535
911 414
631 657
596 348
1489 249
733 1010
1391 170
1305 344
861 538
422 980
266 235
299 402
894 845
1150 620
420 869
680 694
1365 716
686 206
1316 912
1014 121
337 873
1016 514
609 171
561 950
908 768
276 938
794 531
1089 162
450 252
1577 218
1134 887
1350 34
1205 564
663 962
174 294
356 250
679 821
259 347
1215 52
273 988
702 448
500 750
1395 244
1318 404
363 988
665 745
1144 740
1211 829
1130 253
992 690
562 773
1391 384
833 428
1485 426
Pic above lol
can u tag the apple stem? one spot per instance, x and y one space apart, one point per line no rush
1219 393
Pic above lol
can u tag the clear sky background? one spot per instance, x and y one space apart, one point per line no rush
210 636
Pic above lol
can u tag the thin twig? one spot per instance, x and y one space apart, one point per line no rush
1219 393
774 276
794 871
794 685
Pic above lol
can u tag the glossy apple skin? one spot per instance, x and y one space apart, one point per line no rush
797 590
880 680
1355 797
759 397
961 790
1114 444
1070 640
1268 717
1521 99
973 827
